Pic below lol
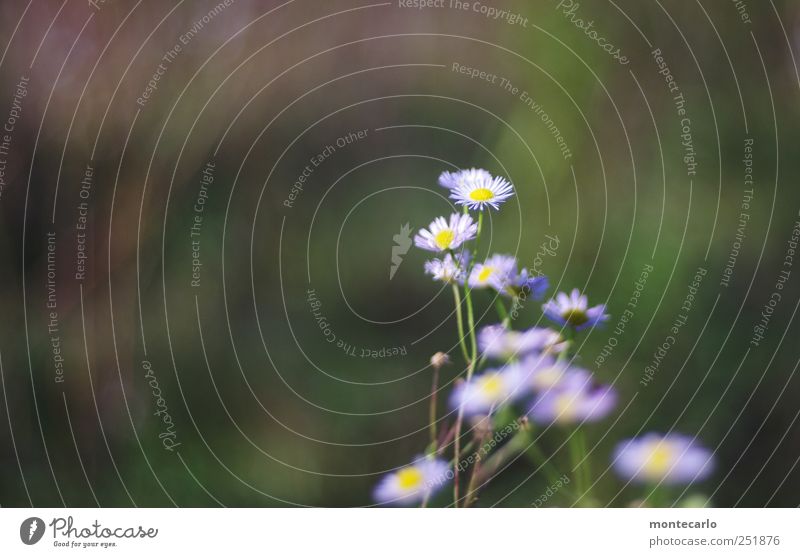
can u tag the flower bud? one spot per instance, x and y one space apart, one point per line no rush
439 360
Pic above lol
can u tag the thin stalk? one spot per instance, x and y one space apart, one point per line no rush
456 462
471 358
446 437
432 409
472 485
587 464
470 370
460 322
502 312
535 455
466 449
515 446
471 325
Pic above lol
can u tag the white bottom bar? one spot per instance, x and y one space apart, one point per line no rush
401 532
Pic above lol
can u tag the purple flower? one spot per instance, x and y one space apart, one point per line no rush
672 459
501 273
573 400
413 483
496 272
545 373
573 310
495 341
487 392
535 287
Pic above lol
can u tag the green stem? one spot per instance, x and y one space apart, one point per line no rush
472 485
516 445
471 325
502 312
535 455
460 419
460 322
569 337
471 358
577 451
657 497
587 464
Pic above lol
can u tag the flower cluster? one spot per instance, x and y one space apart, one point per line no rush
529 375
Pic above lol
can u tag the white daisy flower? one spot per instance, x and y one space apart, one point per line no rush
443 236
413 483
450 180
480 190
496 272
449 269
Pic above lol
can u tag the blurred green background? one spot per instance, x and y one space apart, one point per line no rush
266 410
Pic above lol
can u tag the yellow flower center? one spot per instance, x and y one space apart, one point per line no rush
565 407
485 273
491 386
659 461
547 378
481 194
409 478
444 238
575 317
